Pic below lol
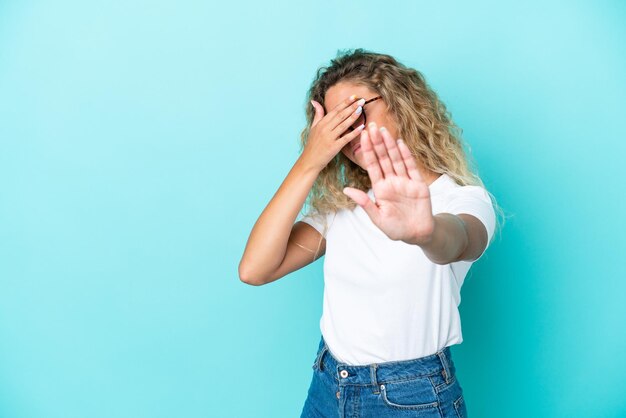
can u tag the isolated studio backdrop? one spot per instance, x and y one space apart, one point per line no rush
140 141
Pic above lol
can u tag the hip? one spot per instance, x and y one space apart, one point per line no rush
421 387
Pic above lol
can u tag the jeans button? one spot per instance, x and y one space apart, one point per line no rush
337 394
343 374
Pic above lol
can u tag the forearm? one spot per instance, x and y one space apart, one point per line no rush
268 239
448 241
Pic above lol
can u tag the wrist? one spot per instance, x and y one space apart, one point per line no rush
423 238
306 166
449 238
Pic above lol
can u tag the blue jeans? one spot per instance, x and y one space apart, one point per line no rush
422 387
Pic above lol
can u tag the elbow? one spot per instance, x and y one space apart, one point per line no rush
246 276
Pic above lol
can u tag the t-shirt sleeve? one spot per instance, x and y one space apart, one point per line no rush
475 201
321 222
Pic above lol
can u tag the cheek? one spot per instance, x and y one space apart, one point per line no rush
393 129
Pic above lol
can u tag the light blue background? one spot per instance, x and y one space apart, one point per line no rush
140 141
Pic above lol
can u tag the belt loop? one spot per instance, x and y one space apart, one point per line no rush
444 363
318 360
373 377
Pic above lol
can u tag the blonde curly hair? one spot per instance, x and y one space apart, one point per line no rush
422 120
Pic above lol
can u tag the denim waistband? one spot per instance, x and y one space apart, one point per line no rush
375 373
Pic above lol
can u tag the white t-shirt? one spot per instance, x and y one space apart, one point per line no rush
384 300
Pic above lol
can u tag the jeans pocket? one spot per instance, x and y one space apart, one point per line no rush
409 394
460 408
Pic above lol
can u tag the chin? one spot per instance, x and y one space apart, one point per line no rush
358 164
352 159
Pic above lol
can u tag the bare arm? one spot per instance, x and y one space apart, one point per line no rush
267 244
455 238
305 245
271 251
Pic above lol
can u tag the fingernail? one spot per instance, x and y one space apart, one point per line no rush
361 126
382 129
361 102
312 103
400 141
353 97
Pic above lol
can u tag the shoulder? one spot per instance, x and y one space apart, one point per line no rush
321 221
469 192
449 190
473 200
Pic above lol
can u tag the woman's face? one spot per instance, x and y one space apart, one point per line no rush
375 111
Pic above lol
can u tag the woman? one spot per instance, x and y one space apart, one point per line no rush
400 223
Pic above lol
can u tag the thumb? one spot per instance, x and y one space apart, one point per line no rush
363 200
319 112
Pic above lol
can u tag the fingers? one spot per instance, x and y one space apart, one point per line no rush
363 200
371 161
342 105
386 157
409 162
380 150
357 195
351 118
319 112
346 117
350 135
393 151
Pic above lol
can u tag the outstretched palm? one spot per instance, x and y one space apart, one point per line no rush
403 208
